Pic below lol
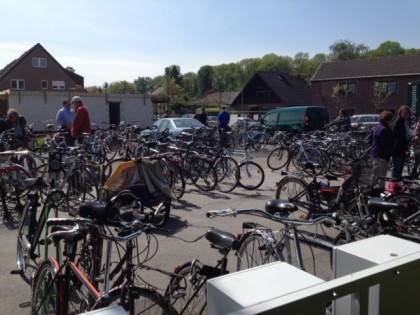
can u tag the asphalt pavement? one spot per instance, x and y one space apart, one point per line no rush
182 242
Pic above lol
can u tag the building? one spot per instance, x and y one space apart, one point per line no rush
365 86
270 89
36 84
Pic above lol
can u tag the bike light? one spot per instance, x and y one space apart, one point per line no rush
54 162
57 195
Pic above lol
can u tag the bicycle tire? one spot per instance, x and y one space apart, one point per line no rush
227 170
204 175
145 301
410 203
131 208
187 294
278 158
259 142
81 186
255 250
109 168
174 177
251 175
295 189
47 294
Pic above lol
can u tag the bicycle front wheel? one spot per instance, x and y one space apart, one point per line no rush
204 175
294 189
141 300
187 293
277 158
251 175
256 250
47 291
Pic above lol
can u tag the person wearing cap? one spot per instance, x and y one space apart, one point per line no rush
64 120
81 121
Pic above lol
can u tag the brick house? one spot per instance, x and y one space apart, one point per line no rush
37 70
392 76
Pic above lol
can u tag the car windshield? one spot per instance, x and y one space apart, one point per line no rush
185 123
354 119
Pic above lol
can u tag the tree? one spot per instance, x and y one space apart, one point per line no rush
387 48
346 50
339 94
174 72
121 87
272 62
205 77
143 84
380 93
299 65
94 89
190 84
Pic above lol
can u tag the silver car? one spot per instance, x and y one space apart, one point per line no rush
366 120
174 125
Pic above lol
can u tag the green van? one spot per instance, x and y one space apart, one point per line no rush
296 118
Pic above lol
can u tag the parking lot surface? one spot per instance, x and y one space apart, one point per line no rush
181 242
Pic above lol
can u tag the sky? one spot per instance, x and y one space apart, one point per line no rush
108 41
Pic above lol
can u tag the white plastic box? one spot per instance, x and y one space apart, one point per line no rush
245 288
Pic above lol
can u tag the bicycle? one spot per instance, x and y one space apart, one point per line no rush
261 245
60 288
187 288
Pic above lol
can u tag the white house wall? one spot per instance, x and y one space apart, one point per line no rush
42 106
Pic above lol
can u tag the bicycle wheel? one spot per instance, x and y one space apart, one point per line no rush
294 189
409 202
174 177
227 170
47 291
251 175
259 142
81 186
277 158
204 175
141 300
309 155
256 249
187 293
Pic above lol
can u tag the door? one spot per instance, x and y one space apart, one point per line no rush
114 113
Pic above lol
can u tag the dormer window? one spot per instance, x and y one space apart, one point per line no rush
39 62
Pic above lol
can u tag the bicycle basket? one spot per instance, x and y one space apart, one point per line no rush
362 172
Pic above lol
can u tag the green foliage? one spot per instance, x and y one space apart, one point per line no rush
94 89
272 62
143 84
205 78
387 48
121 87
346 50
190 84
380 93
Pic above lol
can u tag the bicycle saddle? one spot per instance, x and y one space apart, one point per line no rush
101 212
283 207
221 239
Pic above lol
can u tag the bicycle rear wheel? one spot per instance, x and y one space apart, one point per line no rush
255 250
251 175
204 175
227 170
277 158
187 293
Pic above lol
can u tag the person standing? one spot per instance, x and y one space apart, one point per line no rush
416 143
402 134
202 117
343 122
81 121
223 119
382 148
64 120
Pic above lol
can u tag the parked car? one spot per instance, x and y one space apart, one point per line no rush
174 125
212 121
244 120
188 116
366 120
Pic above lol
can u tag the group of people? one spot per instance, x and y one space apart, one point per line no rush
76 122
390 141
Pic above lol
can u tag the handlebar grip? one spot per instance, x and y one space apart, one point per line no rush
213 213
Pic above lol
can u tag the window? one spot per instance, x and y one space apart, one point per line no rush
388 87
58 85
16 84
44 84
39 62
348 88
